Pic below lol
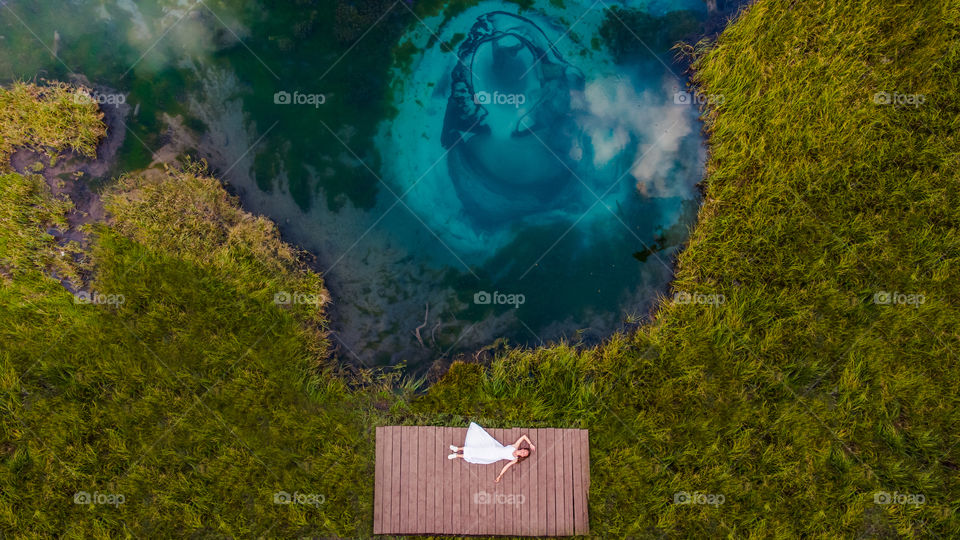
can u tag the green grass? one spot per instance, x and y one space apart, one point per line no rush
196 398
28 211
51 118
797 399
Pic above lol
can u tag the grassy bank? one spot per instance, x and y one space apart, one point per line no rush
802 396
184 380
50 118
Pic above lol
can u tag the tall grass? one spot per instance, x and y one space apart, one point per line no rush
50 118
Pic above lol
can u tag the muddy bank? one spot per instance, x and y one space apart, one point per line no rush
70 174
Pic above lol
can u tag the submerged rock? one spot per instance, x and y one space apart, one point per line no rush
510 123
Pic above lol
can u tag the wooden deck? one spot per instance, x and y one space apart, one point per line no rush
419 491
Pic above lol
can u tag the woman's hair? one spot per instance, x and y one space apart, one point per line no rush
523 446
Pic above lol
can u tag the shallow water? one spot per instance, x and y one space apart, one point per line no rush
480 172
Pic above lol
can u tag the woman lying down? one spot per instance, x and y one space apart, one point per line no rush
480 447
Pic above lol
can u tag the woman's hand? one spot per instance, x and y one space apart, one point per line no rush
497 480
522 438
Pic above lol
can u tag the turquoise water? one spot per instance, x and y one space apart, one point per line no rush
465 172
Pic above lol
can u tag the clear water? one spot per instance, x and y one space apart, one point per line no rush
472 172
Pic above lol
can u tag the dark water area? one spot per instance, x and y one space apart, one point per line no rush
465 172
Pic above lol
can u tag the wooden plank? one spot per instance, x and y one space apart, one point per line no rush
395 483
464 490
455 498
440 459
523 488
564 487
506 512
392 475
488 514
560 474
439 490
557 463
522 493
446 476
499 524
568 466
378 464
472 512
430 469
412 480
529 509
542 460
511 483
514 487
576 480
481 480
405 491
468 479
456 488
433 478
422 475
585 467
407 495
550 501
467 507
400 506
491 487
581 526
384 474
440 479
538 510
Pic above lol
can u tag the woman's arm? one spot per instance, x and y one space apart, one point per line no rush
525 438
504 469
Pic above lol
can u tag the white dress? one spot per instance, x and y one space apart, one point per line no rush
480 447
